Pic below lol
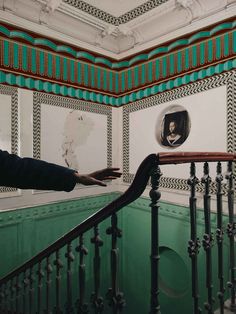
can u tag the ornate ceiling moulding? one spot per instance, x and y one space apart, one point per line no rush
63 49
111 19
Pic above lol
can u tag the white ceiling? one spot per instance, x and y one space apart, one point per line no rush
115 28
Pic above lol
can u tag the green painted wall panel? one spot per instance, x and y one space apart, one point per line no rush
25 231
72 70
210 50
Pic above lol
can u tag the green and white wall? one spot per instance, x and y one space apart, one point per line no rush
56 99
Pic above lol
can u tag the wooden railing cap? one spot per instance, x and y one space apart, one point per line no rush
187 157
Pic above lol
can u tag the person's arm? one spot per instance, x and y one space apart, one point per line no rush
29 173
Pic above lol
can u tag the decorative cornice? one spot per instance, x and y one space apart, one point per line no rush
78 54
59 89
111 19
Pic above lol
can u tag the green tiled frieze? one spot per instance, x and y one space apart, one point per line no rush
186 60
59 89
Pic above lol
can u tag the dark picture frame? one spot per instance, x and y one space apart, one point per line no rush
179 121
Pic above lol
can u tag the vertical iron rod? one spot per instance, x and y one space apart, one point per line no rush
208 239
70 258
115 297
48 269
231 231
40 274
25 285
58 263
12 303
31 291
194 244
219 236
155 257
96 299
17 287
81 305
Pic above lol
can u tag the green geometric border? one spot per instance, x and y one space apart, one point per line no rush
227 79
58 89
78 54
42 98
13 92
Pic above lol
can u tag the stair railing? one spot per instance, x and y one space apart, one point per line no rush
28 288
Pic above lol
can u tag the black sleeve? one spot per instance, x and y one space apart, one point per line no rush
29 173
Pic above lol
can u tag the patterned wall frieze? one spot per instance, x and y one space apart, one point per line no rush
30 39
43 64
111 19
181 61
227 79
43 98
13 93
62 70
115 101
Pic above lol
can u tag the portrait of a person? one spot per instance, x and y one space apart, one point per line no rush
174 131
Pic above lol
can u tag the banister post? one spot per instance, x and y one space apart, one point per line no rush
231 231
194 243
155 196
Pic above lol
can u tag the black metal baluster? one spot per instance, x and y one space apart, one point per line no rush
25 285
12 291
194 243
97 300
48 269
231 231
219 236
6 297
2 296
70 258
115 297
31 291
58 263
208 239
40 275
18 288
82 307
155 195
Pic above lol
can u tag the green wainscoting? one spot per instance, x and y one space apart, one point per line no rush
175 264
24 232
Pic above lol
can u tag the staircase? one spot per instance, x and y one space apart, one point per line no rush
54 281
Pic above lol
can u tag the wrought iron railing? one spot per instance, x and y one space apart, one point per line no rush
38 286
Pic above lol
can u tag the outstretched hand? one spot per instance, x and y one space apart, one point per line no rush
97 177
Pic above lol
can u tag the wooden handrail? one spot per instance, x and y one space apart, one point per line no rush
133 192
185 157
